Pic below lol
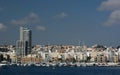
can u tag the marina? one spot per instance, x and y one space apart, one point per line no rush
77 64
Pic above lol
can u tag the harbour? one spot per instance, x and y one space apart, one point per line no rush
59 37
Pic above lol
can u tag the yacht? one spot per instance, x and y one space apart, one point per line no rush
3 63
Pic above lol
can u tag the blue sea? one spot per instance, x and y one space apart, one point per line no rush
40 70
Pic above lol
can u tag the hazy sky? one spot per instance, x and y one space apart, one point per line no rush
61 21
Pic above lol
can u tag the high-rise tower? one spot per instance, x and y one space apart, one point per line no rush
23 46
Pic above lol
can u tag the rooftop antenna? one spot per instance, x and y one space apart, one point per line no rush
79 45
4 43
79 42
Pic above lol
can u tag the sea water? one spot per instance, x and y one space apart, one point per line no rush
42 70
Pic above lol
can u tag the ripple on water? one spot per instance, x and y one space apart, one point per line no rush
35 70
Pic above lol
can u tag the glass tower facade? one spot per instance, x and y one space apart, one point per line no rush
23 46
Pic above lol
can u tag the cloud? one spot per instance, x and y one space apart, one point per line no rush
32 18
41 28
110 5
60 15
114 19
114 7
2 27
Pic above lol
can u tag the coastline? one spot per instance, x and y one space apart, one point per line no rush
63 64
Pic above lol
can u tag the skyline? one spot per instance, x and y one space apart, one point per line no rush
62 22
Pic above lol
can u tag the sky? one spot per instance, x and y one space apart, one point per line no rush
61 22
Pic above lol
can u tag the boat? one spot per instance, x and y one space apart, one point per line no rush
4 63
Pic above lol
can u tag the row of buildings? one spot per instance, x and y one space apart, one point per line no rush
40 54
24 53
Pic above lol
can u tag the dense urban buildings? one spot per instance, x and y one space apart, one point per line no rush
24 53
